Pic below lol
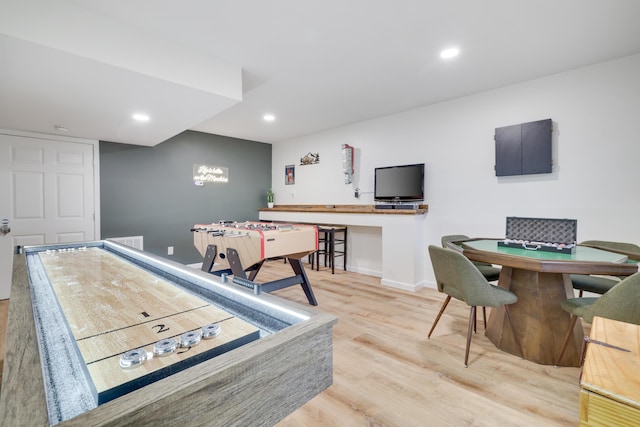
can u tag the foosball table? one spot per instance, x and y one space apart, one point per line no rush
241 248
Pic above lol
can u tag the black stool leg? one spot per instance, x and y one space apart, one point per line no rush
331 251
324 241
327 248
318 252
344 255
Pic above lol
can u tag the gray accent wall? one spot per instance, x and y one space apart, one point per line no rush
149 191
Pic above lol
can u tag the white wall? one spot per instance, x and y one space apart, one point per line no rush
596 154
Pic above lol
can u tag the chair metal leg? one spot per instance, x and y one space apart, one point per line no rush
435 322
484 316
567 336
472 317
484 319
513 330
475 323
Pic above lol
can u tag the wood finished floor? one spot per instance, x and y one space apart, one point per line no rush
387 373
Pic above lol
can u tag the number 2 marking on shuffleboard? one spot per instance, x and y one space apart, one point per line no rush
184 350
161 328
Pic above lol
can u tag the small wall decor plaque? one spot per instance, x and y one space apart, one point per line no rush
310 159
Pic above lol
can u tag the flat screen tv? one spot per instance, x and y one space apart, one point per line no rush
403 183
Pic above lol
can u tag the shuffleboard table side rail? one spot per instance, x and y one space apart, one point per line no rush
22 398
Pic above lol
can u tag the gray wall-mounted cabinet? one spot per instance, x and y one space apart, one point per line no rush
524 149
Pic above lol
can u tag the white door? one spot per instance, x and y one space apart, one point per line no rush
46 195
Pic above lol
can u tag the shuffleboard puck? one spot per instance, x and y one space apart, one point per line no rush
165 347
191 338
133 358
211 330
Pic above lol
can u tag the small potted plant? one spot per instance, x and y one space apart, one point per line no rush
270 198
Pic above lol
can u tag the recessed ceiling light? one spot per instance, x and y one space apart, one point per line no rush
61 128
449 53
268 117
141 117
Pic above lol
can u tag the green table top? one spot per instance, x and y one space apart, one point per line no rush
582 253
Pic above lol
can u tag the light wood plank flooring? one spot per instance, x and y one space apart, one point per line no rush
387 373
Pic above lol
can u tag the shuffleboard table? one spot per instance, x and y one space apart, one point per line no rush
99 333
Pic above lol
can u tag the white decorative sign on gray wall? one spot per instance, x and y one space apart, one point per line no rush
206 173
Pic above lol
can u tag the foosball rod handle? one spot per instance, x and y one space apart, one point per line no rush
247 284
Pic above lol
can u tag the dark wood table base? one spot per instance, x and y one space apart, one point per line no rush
538 318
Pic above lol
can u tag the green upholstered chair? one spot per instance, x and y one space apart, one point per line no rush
618 303
593 284
621 247
490 272
596 284
457 277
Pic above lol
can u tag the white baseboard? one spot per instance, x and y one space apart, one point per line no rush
401 285
368 272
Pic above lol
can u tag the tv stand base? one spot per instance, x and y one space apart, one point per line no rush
396 206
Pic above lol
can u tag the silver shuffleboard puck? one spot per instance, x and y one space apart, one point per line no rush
133 358
211 330
191 338
165 347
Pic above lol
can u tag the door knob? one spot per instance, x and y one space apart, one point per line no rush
4 228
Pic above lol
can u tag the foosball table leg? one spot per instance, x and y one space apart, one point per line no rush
209 258
234 263
298 268
300 276
254 269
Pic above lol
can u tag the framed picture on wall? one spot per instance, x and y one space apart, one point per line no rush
289 175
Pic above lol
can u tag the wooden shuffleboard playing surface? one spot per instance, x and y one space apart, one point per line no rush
113 307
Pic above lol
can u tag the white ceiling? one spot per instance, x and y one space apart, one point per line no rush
219 66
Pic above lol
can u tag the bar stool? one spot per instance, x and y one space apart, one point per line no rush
327 242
